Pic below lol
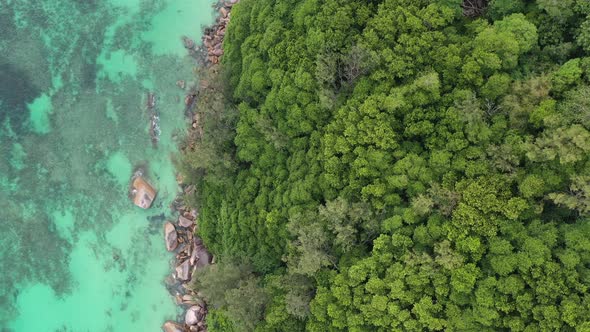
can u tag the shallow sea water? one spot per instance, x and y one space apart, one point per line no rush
75 254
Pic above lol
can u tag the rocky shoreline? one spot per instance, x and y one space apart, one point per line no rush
190 253
211 50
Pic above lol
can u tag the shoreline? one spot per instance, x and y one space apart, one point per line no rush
180 238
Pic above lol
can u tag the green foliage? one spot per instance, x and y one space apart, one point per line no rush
310 251
578 197
215 280
391 165
568 75
245 305
499 8
583 38
335 229
234 293
561 9
217 321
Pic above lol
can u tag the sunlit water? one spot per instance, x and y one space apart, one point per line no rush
75 254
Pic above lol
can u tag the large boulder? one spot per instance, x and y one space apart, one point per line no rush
193 315
193 257
188 299
143 193
217 52
171 236
203 257
171 327
183 271
185 222
198 241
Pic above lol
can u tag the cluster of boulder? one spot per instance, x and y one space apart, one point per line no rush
212 48
213 36
190 255
194 321
207 54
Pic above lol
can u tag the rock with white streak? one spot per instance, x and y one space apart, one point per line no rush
188 299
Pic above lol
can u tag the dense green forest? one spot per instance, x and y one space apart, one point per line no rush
397 165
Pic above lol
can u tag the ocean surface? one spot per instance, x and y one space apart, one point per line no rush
75 254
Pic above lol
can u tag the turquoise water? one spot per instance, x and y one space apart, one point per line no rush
75 254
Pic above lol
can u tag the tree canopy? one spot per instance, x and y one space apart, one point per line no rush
397 165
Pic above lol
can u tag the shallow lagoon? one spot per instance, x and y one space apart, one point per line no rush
75 254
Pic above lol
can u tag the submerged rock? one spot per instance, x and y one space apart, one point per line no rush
189 99
188 43
151 100
155 128
171 236
170 326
